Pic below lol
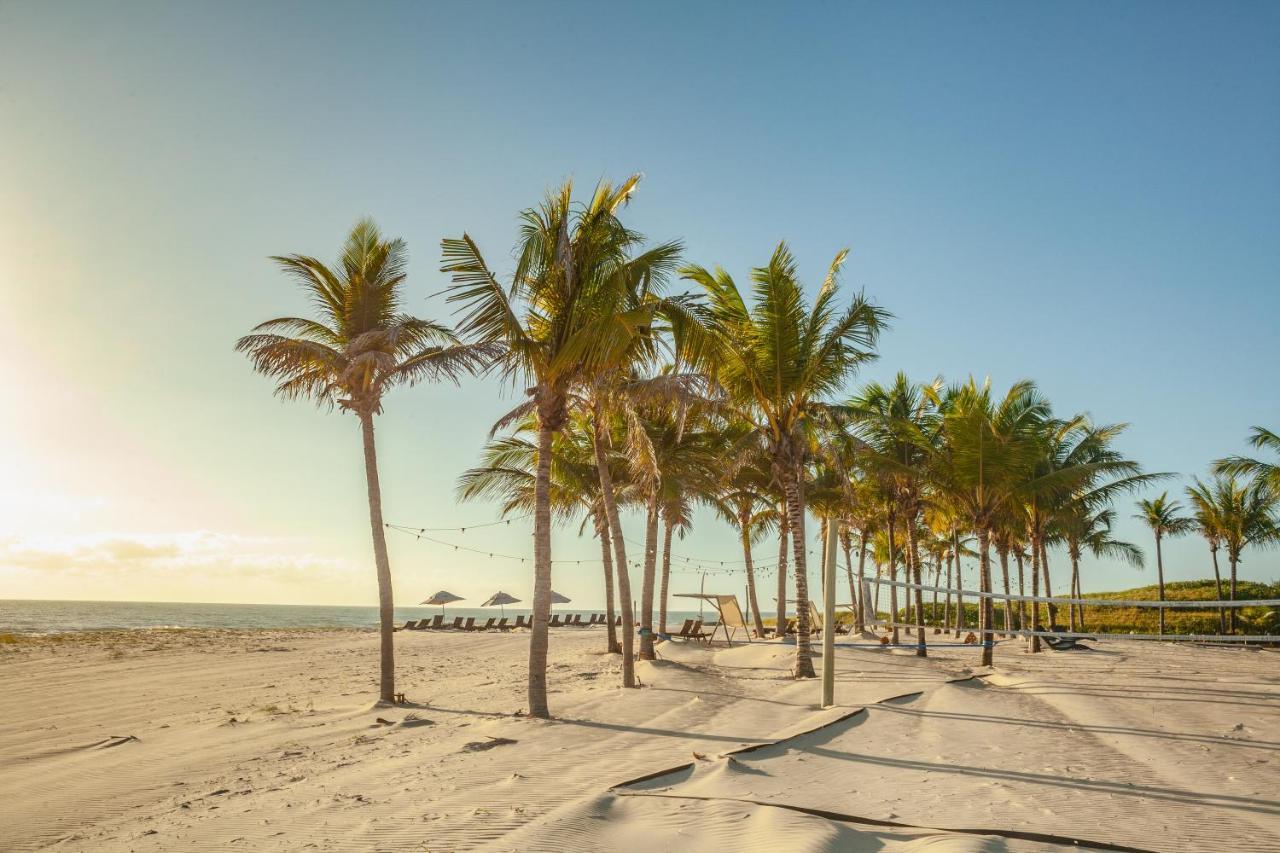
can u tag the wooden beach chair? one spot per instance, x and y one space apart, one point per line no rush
520 623
411 625
555 621
502 625
436 623
470 624
683 633
457 623
486 626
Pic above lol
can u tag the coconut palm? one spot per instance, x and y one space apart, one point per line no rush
358 347
1089 530
1243 466
1248 517
898 426
743 500
508 473
1164 518
573 303
1209 505
777 359
981 466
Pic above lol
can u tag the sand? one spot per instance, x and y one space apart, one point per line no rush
218 740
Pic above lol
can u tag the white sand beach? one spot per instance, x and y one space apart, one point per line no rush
215 740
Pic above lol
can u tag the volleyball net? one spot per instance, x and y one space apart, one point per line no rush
872 599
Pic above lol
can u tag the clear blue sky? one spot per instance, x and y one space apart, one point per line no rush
1086 194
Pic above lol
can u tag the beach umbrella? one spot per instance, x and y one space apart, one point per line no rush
500 599
442 598
557 598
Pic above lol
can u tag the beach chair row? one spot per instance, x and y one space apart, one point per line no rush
692 629
790 629
493 623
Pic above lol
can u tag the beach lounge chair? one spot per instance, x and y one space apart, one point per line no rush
577 621
436 623
618 621
555 621
486 626
520 623
457 623
697 632
502 625
682 634
470 624
596 619
411 625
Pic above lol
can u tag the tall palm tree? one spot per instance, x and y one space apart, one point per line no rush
1248 517
981 465
1210 504
1243 466
508 473
574 302
358 347
777 360
1085 529
898 427
1163 517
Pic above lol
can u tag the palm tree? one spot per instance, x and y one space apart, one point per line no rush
777 359
1210 504
1162 516
508 472
574 303
898 427
1243 466
981 466
1085 529
357 348
743 500
1248 517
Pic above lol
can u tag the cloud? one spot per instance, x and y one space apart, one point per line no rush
187 554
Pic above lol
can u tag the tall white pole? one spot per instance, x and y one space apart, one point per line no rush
829 618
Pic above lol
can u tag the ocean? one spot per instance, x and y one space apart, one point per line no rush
20 616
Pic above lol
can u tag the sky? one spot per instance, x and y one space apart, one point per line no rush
1084 194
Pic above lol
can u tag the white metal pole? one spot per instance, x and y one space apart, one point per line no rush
829 619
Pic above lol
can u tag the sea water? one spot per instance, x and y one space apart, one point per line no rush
54 617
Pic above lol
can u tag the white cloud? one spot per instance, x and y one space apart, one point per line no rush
173 555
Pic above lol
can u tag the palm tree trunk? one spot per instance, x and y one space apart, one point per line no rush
541 575
914 555
606 558
1075 577
846 542
1004 573
795 509
1160 582
1233 558
386 598
946 606
650 568
1035 592
666 574
619 548
744 519
875 606
955 545
937 576
893 590
860 603
1049 606
1217 582
986 612
784 544
1022 590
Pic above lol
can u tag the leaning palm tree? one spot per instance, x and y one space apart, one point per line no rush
1164 518
357 348
1243 466
777 359
571 306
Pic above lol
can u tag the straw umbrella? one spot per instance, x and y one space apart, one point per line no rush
500 600
442 598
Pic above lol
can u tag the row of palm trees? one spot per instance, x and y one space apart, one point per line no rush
728 396
1237 508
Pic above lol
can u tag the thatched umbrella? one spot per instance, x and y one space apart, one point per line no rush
442 598
500 599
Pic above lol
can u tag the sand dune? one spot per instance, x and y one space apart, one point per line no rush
268 741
